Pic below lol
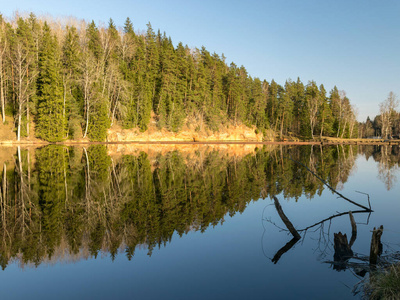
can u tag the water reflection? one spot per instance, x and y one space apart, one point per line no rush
69 203
388 158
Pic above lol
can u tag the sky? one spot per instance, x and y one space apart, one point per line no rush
354 44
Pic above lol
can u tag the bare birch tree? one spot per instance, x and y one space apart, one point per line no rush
3 47
388 113
21 62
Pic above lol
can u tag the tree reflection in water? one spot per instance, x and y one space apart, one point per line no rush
69 203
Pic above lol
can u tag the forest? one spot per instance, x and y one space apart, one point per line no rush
71 79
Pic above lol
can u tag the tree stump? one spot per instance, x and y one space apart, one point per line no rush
343 251
376 245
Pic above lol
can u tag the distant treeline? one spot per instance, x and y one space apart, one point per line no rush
75 79
386 124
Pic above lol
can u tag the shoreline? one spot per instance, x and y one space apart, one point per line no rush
213 142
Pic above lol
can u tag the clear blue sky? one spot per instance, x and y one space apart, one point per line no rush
354 45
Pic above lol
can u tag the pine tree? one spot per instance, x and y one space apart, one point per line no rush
143 87
51 121
272 104
257 105
99 121
96 106
152 66
325 114
72 96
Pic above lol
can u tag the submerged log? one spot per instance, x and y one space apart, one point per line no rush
376 245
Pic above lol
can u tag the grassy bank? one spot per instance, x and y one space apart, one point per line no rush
385 284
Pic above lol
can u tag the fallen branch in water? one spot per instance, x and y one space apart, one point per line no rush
290 227
285 219
332 217
331 188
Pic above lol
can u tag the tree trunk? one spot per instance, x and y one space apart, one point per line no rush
376 245
344 128
343 251
322 126
283 117
19 122
27 117
2 100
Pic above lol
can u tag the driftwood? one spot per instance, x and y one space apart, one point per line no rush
376 245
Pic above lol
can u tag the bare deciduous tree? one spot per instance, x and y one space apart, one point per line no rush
3 47
388 113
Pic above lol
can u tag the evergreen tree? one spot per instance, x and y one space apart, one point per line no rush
97 109
170 101
51 121
325 114
257 105
72 95
272 104
152 66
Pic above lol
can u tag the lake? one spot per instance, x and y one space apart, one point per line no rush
193 221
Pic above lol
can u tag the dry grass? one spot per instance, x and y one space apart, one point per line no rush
384 285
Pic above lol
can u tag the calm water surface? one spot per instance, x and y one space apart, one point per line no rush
201 223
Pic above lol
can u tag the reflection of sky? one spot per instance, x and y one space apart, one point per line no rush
228 261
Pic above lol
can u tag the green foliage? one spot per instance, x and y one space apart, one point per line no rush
51 119
98 76
94 44
99 161
99 122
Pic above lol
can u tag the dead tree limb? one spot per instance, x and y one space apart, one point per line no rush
285 219
284 249
332 217
331 188
290 227
353 229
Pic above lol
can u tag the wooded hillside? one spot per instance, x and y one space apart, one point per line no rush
75 79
